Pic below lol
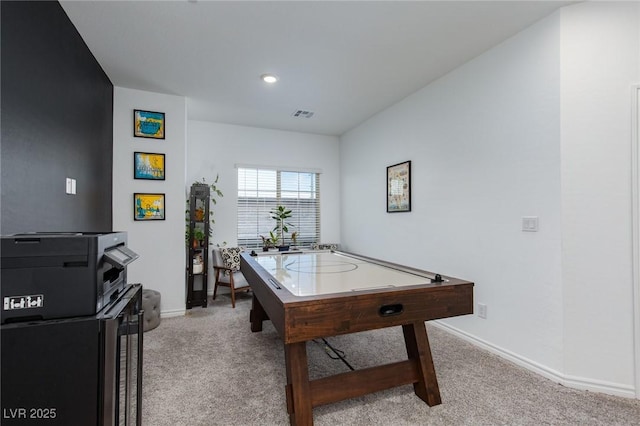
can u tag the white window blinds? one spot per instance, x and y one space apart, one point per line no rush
261 190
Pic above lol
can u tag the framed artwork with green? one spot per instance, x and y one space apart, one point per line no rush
148 124
148 206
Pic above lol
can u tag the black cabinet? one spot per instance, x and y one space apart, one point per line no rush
198 231
76 371
50 372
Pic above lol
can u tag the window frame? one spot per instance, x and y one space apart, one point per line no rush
307 223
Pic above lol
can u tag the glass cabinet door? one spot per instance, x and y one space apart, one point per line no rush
123 363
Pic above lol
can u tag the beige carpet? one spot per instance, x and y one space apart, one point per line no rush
208 368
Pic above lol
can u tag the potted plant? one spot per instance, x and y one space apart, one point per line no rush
199 214
280 214
195 238
269 242
198 237
266 243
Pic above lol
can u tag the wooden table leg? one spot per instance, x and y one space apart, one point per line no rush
417 343
257 315
298 388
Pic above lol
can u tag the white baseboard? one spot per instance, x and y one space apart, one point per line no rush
581 383
173 313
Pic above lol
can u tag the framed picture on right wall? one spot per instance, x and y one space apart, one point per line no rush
399 187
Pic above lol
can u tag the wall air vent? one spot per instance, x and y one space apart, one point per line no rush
301 113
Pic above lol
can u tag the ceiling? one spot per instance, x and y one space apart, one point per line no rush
343 60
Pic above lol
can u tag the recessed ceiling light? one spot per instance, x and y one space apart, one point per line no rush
269 78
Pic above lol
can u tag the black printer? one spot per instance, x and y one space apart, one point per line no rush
61 275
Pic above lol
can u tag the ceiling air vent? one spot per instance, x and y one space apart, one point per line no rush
302 114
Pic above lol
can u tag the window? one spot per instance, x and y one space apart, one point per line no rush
260 190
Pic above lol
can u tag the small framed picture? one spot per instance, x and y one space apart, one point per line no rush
399 187
148 206
148 165
148 124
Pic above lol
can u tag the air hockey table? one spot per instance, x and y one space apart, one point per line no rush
310 295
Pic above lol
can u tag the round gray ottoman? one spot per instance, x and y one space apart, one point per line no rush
151 307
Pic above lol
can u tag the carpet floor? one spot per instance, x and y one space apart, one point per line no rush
208 368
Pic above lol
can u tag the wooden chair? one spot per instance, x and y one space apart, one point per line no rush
226 266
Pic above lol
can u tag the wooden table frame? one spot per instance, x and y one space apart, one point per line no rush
299 319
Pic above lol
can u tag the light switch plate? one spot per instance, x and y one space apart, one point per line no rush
70 186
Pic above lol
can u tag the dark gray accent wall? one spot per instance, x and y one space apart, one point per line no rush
57 122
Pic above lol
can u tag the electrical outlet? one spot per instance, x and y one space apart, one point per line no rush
530 223
482 310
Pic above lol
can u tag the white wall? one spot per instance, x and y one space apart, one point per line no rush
160 244
600 63
537 126
215 149
636 224
484 146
